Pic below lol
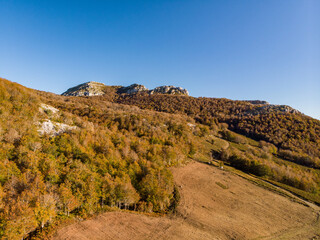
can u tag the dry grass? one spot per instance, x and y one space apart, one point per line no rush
207 211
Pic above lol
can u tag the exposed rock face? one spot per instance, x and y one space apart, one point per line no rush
48 109
86 89
49 126
134 88
170 90
95 88
280 108
269 108
53 128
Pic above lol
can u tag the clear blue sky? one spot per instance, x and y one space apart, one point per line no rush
268 50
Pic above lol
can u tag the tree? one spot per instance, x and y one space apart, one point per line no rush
125 193
67 200
45 209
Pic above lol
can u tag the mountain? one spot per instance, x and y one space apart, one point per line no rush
97 89
281 125
103 148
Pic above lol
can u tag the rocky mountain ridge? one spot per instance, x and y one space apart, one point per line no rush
170 90
96 89
133 88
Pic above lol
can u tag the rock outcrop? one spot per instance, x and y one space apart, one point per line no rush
44 108
51 128
86 89
269 108
95 88
170 90
279 108
134 88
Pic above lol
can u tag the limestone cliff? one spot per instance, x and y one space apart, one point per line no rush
133 88
170 90
86 89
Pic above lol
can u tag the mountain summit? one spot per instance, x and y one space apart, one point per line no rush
96 89
170 90
133 88
86 89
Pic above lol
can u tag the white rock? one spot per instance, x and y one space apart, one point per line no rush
133 88
53 128
45 107
170 90
86 89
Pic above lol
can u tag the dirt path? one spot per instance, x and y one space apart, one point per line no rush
215 204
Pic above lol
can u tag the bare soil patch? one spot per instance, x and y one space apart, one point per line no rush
214 204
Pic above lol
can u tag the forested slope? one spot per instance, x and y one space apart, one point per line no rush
280 125
74 156
116 156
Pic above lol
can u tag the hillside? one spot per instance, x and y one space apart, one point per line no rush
64 157
68 157
215 204
281 125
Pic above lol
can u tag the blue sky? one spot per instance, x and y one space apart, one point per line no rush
268 50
